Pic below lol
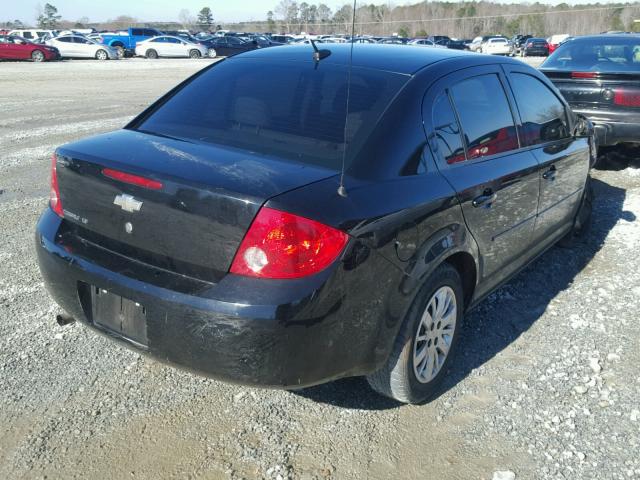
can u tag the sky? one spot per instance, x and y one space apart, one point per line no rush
165 10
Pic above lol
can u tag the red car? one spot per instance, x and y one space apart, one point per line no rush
13 47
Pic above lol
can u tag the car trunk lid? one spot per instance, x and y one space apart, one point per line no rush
594 90
179 206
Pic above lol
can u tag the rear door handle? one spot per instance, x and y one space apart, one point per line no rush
550 174
487 198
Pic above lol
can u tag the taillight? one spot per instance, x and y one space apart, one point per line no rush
283 245
132 179
584 74
626 98
54 192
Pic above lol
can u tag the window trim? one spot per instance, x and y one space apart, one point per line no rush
460 77
509 71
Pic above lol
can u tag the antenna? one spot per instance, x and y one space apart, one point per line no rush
318 54
342 191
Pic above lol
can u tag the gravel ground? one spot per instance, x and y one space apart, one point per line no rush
546 386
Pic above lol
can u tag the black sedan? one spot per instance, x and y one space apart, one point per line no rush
535 47
228 45
600 78
276 233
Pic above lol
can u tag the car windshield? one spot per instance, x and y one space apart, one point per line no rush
597 55
295 111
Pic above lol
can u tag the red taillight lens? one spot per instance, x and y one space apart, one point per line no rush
282 245
584 74
54 192
626 98
132 179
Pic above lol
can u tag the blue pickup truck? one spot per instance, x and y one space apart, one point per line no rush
126 44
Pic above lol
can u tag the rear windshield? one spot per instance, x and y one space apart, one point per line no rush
597 55
292 110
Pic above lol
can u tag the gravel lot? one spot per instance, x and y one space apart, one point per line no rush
547 384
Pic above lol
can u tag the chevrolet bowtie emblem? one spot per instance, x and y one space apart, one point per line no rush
128 203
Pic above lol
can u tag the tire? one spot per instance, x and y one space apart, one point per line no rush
212 53
400 378
102 55
37 56
120 50
151 54
195 54
582 221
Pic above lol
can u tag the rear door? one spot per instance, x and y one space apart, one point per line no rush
564 160
471 129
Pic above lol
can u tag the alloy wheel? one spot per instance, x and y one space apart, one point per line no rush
435 334
37 56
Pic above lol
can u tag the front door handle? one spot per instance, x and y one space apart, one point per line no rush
550 174
487 198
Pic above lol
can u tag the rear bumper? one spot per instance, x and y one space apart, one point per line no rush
286 334
612 131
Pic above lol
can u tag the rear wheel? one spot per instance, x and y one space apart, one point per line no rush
37 56
212 53
426 342
102 55
582 220
194 54
120 50
152 54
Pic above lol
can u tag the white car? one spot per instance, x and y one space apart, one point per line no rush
31 35
497 46
169 46
423 42
77 46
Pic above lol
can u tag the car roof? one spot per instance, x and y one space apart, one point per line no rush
404 59
608 36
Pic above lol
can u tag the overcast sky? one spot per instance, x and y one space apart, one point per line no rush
163 10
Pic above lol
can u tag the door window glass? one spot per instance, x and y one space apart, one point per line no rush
543 115
447 130
137 31
485 116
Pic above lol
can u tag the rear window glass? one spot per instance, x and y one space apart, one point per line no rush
294 111
485 116
597 55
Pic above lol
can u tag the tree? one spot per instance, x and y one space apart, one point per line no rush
403 32
288 11
271 22
49 18
205 18
186 19
323 13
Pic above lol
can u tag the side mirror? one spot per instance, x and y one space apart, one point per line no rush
255 42
582 127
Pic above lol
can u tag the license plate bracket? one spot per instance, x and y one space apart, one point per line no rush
119 315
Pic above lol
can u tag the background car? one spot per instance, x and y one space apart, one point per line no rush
76 46
168 46
555 40
535 47
518 42
478 42
125 42
13 47
497 46
599 75
30 34
422 42
228 46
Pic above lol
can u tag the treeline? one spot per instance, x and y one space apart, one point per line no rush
457 19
